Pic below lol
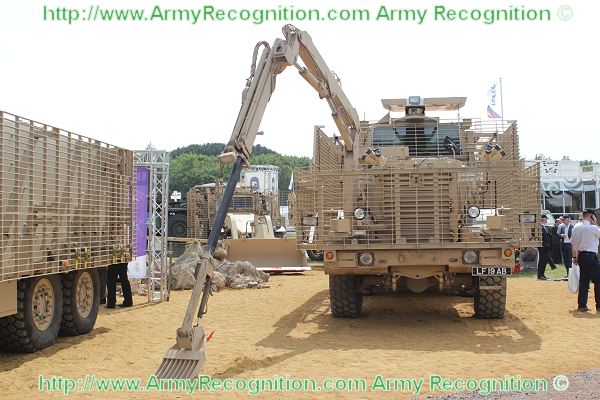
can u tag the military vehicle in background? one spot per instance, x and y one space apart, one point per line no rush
67 213
254 228
178 219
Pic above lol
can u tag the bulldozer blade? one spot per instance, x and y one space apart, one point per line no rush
269 255
181 364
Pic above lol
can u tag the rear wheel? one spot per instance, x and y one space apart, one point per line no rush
81 300
37 321
344 296
315 255
490 297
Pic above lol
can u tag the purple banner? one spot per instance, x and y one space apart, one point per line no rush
142 175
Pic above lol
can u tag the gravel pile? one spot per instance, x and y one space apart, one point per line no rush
235 275
242 274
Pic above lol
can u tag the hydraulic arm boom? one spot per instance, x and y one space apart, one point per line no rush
187 356
261 84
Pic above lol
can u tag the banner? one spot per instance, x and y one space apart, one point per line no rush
137 268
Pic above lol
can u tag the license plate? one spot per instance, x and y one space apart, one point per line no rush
491 271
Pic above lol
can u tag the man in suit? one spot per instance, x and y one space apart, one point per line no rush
556 241
544 251
565 230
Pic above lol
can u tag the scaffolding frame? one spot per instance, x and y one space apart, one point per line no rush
158 268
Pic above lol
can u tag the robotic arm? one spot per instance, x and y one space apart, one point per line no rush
186 357
261 84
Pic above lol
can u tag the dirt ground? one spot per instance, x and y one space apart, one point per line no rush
288 330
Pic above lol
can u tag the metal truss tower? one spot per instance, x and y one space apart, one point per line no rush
157 162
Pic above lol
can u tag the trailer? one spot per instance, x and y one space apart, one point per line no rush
67 214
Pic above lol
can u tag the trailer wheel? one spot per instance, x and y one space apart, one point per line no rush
490 297
315 255
344 296
37 321
81 300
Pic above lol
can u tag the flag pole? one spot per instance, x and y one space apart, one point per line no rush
501 101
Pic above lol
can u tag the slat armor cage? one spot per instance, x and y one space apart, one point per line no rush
203 201
434 171
67 200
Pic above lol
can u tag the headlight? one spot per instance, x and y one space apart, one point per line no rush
365 259
309 221
359 214
527 218
470 257
473 211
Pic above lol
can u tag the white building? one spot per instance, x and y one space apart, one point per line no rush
566 189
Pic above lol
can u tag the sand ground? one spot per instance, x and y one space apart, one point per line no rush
288 330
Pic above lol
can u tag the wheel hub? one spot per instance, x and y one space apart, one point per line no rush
42 304
84 294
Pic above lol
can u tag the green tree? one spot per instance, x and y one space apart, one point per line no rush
197 164
587 165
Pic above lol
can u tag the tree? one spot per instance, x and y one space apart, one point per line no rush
197 164
587 165
189 170
207 149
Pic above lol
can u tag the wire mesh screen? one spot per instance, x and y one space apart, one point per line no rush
204 200
460 183
67 200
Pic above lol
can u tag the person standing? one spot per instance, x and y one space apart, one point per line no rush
565 230
544 252
120 271
585 240
556 241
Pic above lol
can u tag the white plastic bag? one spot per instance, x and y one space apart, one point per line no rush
574 278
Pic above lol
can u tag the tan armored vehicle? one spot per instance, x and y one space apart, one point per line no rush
66 212
421 203
252 230
409 202
203 201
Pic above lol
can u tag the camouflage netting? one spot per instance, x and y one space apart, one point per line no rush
236 275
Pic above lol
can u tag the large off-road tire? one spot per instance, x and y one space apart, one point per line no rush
81 300
315 255
344 296
490 297
37 321
177 225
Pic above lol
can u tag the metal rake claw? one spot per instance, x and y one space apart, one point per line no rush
184 362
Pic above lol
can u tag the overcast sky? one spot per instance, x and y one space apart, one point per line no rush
174 83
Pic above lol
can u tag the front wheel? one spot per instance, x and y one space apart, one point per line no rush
37 321
177 226
490 297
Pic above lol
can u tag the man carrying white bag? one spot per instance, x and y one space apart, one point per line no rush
574 278
585 240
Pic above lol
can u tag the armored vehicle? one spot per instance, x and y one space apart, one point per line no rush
67 205
423 202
